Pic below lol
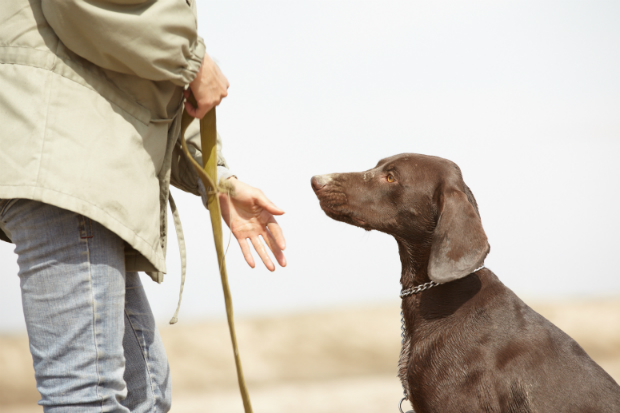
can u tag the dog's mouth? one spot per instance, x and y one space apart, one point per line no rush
334 202
344 217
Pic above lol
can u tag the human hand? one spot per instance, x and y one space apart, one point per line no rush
249 214
209 88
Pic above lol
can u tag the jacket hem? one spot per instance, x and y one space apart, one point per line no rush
79 206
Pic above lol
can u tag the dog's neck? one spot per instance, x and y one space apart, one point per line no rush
414 261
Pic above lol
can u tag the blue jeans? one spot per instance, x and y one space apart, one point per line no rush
93 339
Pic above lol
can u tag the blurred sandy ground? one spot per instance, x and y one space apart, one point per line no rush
342 360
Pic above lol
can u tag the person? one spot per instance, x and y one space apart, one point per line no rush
91 96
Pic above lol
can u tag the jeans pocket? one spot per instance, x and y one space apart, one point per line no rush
5 204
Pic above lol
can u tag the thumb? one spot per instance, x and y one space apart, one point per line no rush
269 206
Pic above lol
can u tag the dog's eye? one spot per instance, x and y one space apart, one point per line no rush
390 178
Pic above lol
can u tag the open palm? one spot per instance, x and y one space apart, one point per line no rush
250 215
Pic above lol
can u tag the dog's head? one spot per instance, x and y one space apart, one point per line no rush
420 200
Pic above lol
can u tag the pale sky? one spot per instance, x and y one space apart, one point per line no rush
523 96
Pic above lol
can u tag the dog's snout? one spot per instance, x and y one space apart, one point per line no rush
319 181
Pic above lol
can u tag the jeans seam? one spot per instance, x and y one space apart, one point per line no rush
146 361
90 277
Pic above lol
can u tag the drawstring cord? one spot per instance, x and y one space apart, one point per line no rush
178 227
182 249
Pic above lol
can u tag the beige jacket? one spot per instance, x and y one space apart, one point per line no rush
90 98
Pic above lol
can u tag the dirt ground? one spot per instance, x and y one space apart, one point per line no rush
341 360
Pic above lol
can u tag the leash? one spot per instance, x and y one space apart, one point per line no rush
403 329
208 175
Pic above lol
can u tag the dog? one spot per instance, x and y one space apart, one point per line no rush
470 344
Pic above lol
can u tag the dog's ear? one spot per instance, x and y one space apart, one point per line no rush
459 242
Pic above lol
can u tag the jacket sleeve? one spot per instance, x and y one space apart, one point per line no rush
152 39
182 174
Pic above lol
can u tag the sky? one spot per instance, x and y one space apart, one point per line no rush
523 96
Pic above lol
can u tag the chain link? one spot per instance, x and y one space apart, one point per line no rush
418 289
403 333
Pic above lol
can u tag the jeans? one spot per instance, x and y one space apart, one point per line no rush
93 339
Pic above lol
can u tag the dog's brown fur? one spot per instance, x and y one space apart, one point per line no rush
472 345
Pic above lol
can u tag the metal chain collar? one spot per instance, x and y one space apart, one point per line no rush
403 329
427 285
418 289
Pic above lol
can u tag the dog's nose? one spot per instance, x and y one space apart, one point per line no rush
319 181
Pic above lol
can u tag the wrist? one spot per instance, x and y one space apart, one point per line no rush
227 186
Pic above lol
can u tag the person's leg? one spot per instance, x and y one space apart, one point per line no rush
72 275
147 373
80 321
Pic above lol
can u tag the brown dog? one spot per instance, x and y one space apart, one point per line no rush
470 345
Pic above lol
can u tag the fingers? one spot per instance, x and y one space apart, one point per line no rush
276 233
190 109
200 111
247 254
275 248
262 253
205 105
